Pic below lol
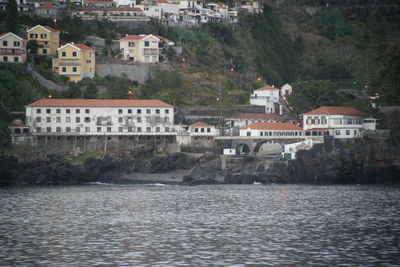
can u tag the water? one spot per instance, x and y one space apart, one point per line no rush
218 225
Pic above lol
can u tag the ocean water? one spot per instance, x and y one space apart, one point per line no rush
211 225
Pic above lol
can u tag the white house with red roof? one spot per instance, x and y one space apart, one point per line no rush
336 121
202 129
268 96
140 48
97 3
272 129
12 48
47 9
91 117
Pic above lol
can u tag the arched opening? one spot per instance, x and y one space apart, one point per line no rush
268 147
242 149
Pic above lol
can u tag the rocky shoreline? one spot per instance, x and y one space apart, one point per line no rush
358 162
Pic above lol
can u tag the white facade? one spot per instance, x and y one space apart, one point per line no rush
339 122
150 11
100 117
286 90
140 48
293 148
12 48
267 96
202 129
265 129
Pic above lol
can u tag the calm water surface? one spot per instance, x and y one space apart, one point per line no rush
224 225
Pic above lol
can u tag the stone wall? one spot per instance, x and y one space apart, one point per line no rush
135 72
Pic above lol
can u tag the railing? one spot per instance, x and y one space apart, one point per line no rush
6 51
43 45
69 63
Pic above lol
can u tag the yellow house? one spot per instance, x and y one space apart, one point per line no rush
75 61
48 39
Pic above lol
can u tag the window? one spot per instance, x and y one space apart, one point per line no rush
157 111
44 51
58 129
167 111
77 119
355 132
58 111
16 59
74 69
43 35
248 133
146 43
139 129
99 129
157 129
77 129
202 130
166 119
337 132
196 130
166 129
5 59
77 111
74 54
131 44
5 43
323 120
148 111
32 35
39 119
48 119
48 110
38 129
130 111
208 130
68 110
64 69
87 129
48 129
347 132
119 111
38 110
63 54
58 119
148 129
68 129
129 129
139 111
139 119
87 119
120 129
109 129
120 119
16 43
148 119
68 119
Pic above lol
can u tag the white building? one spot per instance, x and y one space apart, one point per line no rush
339 122
267 96
286 90
202 129
270 129
290 150
100 117
140 48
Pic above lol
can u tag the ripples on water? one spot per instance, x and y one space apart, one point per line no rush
218 225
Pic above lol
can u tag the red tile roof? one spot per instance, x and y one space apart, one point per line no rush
7 33
268 87
133 37
273 126
200 124
46 102
47 5
83 46
84 8
260 116
49 28
330 110
99 2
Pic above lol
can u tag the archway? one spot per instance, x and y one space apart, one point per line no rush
268 147
242 149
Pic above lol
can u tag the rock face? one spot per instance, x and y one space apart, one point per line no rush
55 171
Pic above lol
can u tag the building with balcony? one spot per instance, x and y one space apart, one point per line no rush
12 48
48 39
140 48
21 5
110 13
339 122
100 117
267 96
75 61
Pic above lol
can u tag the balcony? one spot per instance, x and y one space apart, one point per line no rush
42 45
72 62
9 51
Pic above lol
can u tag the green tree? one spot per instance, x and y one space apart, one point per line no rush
91 90
12 16
73 91
32 47
308 95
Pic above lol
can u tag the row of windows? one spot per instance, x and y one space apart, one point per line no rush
100 129
5 59
87 111
202 130
35 35
275 133
64 54
16 43
99 121
323 120
64 69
